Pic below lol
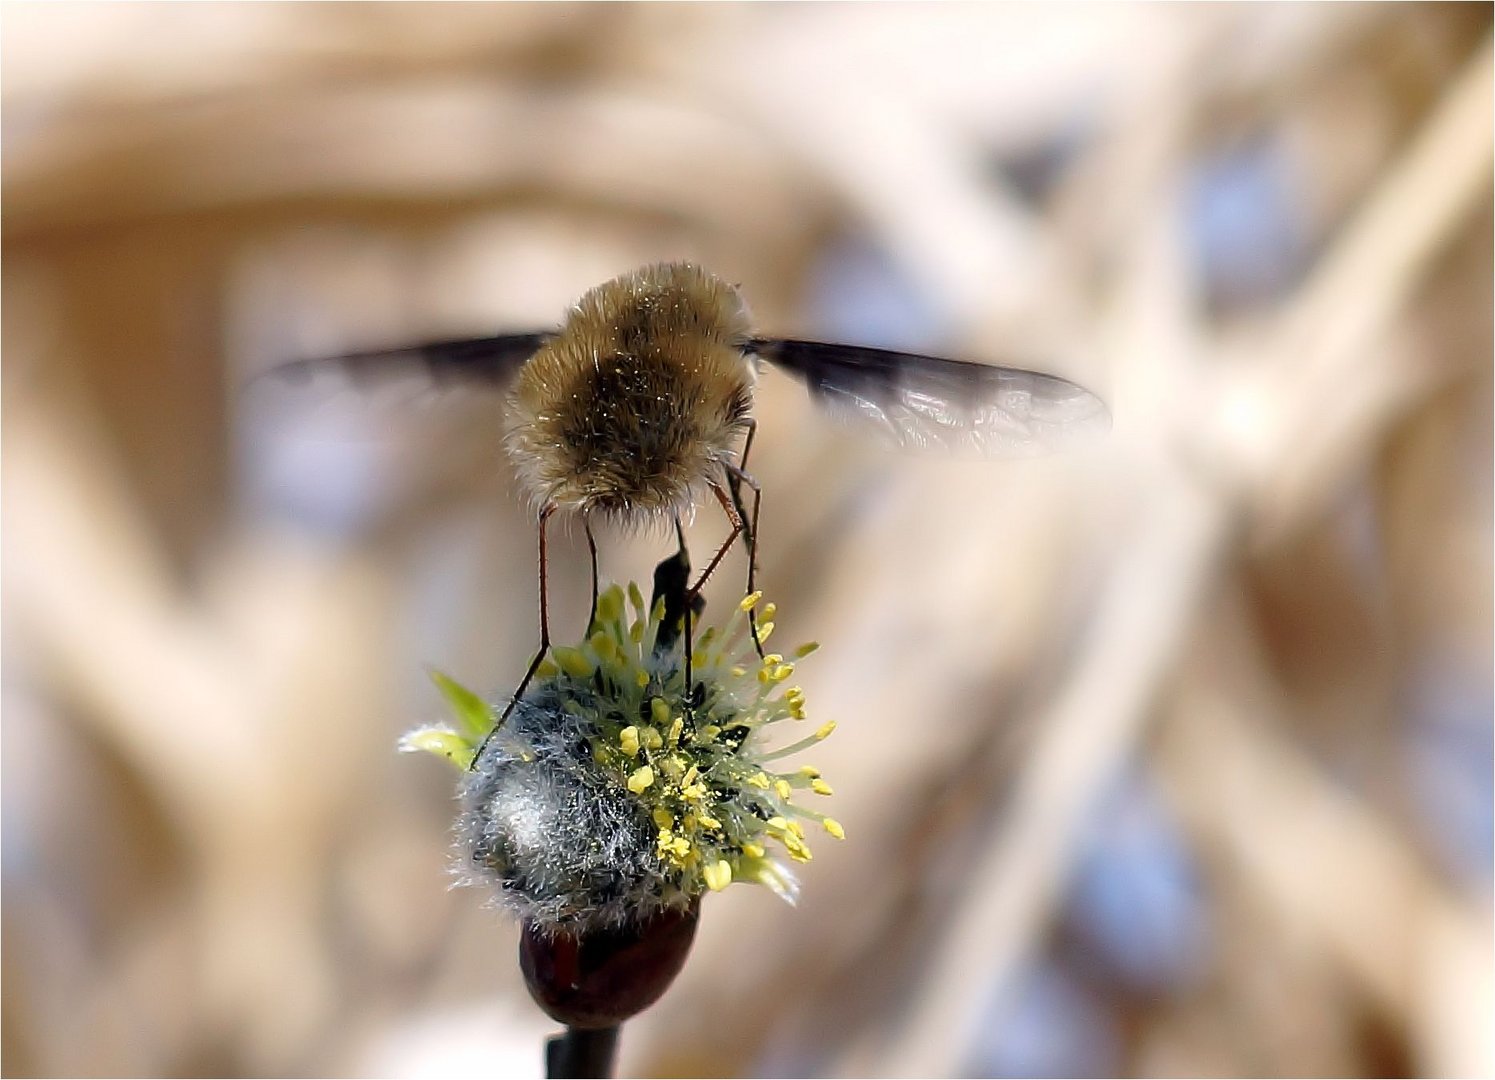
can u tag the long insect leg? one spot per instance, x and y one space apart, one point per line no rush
737 476
586 525
544 638
737 529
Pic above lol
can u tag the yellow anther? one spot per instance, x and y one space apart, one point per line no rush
547 670
754 851
782 672
833 827
738 672
659 710
809 770
709 732
675 729
707 821
693 792
806 649
820 787
769 611
765 630
610 604
783 788
573 662
663 818
772 660
636 631
651 738
797 829
718 876
635 597
681 847
759 780
825 729
628 740
642 679
750 601
673 766
640 780
602 644
777 823
690 775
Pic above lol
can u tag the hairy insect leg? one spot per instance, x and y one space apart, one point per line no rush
544 638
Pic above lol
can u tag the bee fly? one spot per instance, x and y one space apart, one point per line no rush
633 409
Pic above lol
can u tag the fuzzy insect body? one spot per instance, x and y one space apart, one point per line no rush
640 399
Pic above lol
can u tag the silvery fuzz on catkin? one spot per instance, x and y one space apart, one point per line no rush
568 845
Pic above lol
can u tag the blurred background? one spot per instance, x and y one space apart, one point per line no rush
1171 756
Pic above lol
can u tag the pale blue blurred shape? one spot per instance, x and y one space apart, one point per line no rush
1050 1025
858 295
1451 757
1135 896
1244 223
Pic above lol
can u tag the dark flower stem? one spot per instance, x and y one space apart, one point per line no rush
582 1052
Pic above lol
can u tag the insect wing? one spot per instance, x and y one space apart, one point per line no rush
921 402
488 360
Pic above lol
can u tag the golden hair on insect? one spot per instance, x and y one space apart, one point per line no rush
639 399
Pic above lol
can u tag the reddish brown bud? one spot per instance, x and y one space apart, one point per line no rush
599 978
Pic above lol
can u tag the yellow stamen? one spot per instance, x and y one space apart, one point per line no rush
753 851
809 770
765 630
675 729
640 780
806 649
825 729
651 738
750 601
663 818
628 740
769 611
547 670
783 788
759 780
833 827
660 711
718 876
573 662
820 787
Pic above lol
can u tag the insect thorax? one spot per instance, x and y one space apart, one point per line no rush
639 397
